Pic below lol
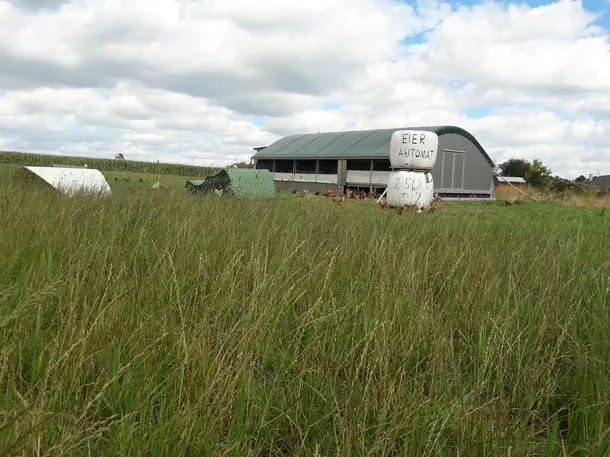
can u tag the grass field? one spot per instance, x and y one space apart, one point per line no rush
131 166
160 323
121 181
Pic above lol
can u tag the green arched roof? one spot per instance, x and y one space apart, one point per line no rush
350 144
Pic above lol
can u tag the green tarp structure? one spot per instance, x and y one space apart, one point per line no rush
242 183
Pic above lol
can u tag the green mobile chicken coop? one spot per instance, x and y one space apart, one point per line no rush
240 182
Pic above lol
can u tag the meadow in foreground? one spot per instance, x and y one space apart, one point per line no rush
166 324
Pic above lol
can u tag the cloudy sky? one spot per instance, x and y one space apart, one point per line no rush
205 81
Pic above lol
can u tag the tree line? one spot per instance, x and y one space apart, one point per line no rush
540 176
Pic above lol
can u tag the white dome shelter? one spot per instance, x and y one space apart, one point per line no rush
69 181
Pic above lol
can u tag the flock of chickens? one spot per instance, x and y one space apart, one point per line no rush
336 198
361 195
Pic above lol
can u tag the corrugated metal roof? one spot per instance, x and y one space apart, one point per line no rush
350 144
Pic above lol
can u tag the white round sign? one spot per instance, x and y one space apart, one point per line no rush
413 149
412 188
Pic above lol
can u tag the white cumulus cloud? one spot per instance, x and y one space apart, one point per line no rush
205 81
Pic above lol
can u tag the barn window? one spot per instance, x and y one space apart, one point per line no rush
284 166
359 165
328 167
264 164
306 166
381 165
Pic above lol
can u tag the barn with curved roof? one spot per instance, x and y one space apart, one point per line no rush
360 159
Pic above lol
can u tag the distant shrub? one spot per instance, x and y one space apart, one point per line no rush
43 160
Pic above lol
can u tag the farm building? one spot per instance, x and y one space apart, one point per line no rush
601 182
360 160
508 183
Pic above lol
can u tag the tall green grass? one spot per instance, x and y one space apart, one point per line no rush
165 324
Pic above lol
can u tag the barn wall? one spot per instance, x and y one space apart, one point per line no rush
504 186
311 187
460 167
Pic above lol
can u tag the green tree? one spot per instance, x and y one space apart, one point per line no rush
515 168
535 173
538 175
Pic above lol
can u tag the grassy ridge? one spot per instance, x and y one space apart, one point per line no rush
167 324
29 159
119 181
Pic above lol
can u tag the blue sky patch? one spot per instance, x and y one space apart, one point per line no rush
595 6
456 84
330 106
258 121
478 112
418 38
